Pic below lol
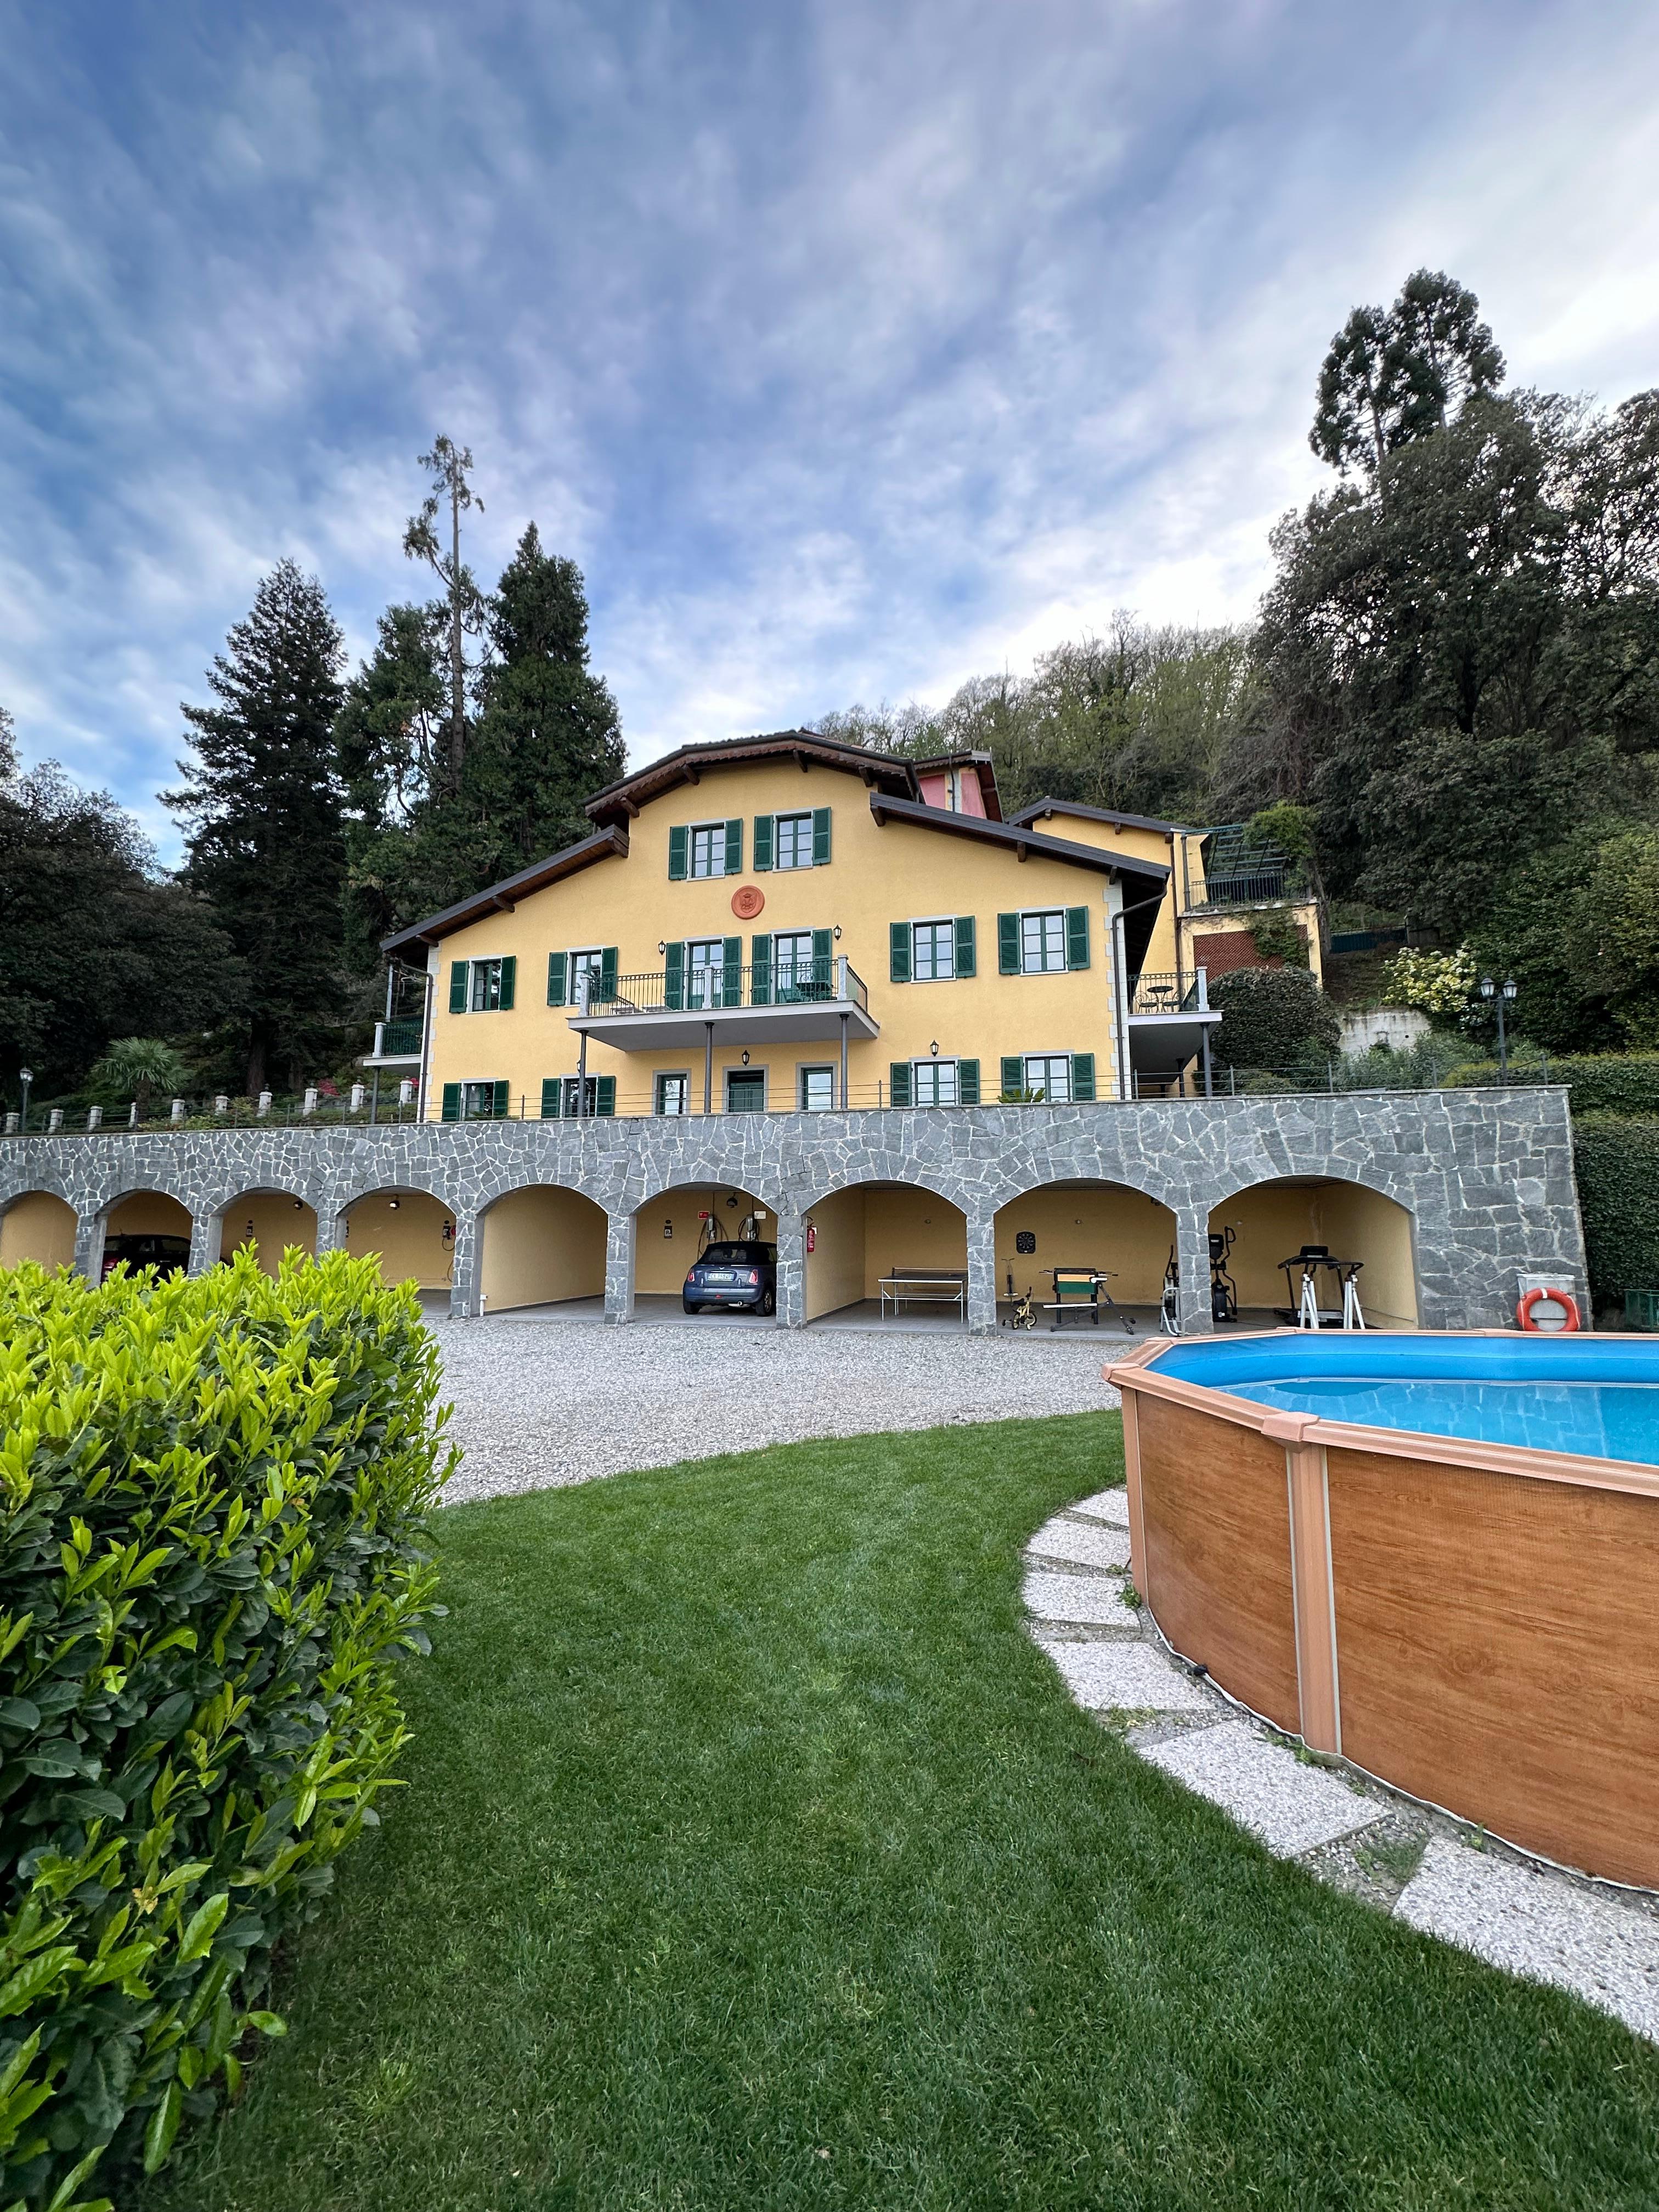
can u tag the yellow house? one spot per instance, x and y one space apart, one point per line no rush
791 924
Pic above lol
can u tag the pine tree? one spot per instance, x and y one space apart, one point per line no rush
549 736
262 800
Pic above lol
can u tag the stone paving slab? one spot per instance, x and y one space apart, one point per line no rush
1088 1601
1111 1505
1290 1807
1536 1924
1096 1544
1125 1677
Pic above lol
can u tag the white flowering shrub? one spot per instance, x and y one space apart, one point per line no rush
1435 983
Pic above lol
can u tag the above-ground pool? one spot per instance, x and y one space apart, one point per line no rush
1596 1396
1436 1556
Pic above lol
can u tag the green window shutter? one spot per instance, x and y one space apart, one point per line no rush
557 966
968 1082
898 951
967 945
1083 1076
1077 937
604 1096
1013 1075
899 1072
734 846
674 981
820 836
499 1108
762 843
509 979
552 1085
608 971
458 972
452 1102
760 961
732 966
1008 944
823 961
679 843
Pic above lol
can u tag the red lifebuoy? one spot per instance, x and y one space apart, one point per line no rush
1565 1299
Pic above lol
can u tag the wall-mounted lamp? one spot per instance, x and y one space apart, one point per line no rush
745 1059
838 932
668 1229
393 1204
933 1047
662 945
298 1205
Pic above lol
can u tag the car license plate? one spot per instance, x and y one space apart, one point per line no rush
720 1275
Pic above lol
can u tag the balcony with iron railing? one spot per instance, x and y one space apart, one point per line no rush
396 1041
1269 884
789 1001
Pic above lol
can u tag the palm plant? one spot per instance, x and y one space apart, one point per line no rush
136 1068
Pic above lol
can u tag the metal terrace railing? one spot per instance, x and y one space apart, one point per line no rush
399 1040
717 987
1151 994
1260 886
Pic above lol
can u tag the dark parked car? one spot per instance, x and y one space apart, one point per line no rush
735 1279
168 1255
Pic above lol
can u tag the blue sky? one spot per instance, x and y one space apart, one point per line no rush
852 348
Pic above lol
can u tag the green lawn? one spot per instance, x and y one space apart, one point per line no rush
753 1857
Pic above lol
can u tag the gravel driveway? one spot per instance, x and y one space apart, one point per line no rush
539 1404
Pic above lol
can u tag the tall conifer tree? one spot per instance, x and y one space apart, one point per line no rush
261 800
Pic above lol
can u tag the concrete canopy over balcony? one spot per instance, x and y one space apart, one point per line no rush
675 1027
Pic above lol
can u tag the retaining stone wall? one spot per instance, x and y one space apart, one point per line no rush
1485 1174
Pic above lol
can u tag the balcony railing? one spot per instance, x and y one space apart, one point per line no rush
1261 886
1151 993
400 1040
830 980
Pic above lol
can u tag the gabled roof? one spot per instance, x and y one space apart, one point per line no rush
620 802
502 898
1043 807
1014 836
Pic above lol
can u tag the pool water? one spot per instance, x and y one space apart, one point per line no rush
1597 1396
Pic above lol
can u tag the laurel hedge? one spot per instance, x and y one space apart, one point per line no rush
211 1555
1617 1161
1597 1082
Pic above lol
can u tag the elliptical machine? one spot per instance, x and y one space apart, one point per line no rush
1224 1292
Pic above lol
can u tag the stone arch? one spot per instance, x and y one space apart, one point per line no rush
145 1225
40 1225
1124 1232
268 1218
1272 1216
540 1243
865 1228
668 1234
411 1232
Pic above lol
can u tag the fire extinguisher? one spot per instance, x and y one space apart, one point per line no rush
811 1238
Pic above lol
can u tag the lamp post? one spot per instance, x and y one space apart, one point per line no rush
25 1077
1500 995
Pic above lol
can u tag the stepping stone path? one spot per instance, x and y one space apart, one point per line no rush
1432 1872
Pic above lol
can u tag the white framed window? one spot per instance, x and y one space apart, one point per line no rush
705 971
817 1090
482 1102
793 969
792 846
934 1083
589 963
709 849
933 951
1049 1076
673 1093
485 990
1042 943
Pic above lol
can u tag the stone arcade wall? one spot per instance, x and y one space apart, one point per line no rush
1486 1177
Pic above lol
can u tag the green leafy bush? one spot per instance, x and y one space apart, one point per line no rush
1274 1018
210 1556
1276 937
1617 1162
1597 1082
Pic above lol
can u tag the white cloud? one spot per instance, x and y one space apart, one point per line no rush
852 348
